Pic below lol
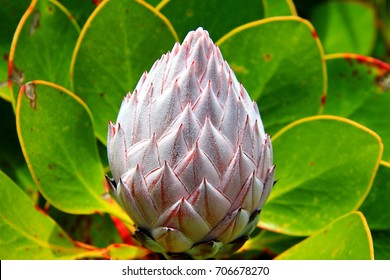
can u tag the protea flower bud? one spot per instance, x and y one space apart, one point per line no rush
192 165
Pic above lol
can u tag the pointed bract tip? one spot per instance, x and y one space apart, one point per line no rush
111 182
112 129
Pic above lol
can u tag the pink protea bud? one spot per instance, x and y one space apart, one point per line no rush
191 162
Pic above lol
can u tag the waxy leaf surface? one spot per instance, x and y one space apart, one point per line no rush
381 240
345 26
12 162
43 45
125 252
347 238
97 229
10 14
270 242
359 89
26 232
120 41
81 10
319 174
56 135
276 8
216 17
376 206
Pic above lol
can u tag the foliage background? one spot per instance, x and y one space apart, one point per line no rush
318 70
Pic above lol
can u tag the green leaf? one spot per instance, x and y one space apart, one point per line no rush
359 90
27 233
154 3
345 26
120 41
273 8
43 44
98 229
320 175
125 252
376 206
81 10
271 242
57 139
280 63
381 244
10 14
347 238
102 149
217 17
12 161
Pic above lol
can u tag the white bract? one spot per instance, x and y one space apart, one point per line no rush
191 162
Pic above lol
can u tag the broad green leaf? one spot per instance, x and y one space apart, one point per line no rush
325 167
57 139
347 238
381 48
154 3
345 26
42 45
381 240
359 89
304 7
12 161
280 63
383 10
120 41
274 8
376 206
27 233
125 252
102 149
10 14
217 17
80 9
97 229
271 242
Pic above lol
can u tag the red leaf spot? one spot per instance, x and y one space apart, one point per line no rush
349 60
311 163
314 34
323 100
60 235
267 57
